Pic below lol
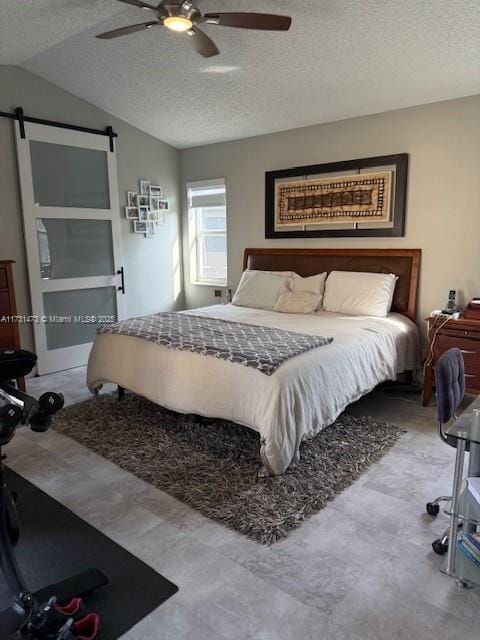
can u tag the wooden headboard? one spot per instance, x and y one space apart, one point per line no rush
404 263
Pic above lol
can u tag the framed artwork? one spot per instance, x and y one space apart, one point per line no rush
147 209
139 226
156 190
354 198
150 230
131 213
143 201
143 213
154 203
145 187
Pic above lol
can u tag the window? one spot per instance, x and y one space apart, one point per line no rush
207 225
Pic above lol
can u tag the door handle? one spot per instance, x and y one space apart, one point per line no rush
121 273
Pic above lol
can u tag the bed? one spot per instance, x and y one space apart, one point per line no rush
306 393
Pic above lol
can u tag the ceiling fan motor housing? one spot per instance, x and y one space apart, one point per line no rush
182 9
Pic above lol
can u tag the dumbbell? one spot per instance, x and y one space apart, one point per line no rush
48 404
10 416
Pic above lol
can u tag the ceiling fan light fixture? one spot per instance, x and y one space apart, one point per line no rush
178 23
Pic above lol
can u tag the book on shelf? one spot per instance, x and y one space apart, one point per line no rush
474 541
472 554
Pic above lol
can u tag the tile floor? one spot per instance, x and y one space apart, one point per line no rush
361 569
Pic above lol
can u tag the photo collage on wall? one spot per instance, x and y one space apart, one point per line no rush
147 208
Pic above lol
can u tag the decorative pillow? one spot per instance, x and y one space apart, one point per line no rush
359 293
311 284
260 289
297 302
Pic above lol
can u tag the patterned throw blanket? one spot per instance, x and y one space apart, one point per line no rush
263 348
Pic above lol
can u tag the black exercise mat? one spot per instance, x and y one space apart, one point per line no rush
55 544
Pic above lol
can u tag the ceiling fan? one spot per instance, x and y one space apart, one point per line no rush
184 17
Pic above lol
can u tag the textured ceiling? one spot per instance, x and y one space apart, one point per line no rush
341 58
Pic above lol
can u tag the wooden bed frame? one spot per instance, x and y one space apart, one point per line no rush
404 263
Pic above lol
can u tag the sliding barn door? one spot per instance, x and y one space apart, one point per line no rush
72 233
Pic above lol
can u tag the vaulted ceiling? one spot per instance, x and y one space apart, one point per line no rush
341 58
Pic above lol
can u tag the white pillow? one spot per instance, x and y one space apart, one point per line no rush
314 284
359 293
311 284
297 302
260 289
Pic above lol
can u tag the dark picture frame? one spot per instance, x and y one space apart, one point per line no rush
399 161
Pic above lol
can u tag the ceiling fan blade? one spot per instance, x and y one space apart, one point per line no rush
264 21
140 4
123 31
202 43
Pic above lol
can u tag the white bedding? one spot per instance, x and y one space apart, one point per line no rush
303 396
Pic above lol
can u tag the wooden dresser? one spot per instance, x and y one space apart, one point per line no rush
443 335
9 333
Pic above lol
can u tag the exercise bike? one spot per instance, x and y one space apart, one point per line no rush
19 409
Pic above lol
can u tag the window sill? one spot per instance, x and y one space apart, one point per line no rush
218 285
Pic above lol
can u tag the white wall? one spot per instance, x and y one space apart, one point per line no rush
443 206
153 266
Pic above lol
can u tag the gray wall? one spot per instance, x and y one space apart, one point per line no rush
153 266
443 217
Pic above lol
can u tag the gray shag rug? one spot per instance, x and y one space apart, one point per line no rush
212 465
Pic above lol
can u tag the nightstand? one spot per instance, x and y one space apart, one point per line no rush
444 334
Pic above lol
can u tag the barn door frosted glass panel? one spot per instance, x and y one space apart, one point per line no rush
69 315
74 248
65 176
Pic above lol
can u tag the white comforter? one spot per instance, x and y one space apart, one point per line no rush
303 396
